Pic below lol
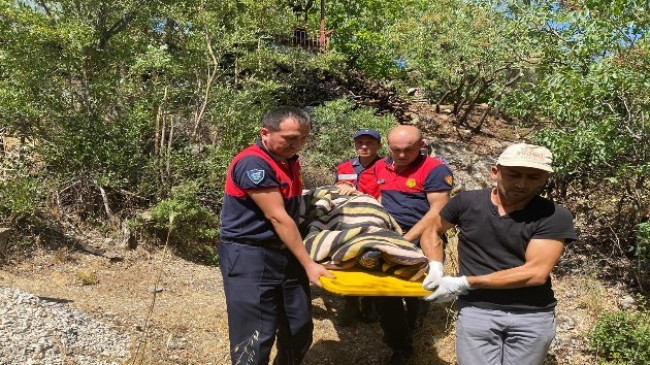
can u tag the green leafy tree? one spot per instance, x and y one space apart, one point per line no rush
137 98
464 53
362 30
576 70
590 91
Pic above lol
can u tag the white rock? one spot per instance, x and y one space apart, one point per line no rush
33 331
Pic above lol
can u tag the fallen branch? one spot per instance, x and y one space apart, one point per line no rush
70 186
87 248
109 212
125 192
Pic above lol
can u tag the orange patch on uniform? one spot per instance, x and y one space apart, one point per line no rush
410 183
449 180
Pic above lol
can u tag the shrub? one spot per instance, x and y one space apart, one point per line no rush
642 248
20 196
641 254
622 338
86 277
191 226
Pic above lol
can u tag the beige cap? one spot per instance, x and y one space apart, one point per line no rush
527 155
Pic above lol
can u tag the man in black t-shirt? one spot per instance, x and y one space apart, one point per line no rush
509 240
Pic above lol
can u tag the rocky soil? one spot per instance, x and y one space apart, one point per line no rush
43 330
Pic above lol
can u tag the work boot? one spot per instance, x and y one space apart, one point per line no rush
350 312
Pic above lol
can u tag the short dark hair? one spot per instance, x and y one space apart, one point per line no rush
276 116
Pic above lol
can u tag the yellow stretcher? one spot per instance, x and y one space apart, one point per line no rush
364 283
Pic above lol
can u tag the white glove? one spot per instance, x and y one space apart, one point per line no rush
435 272
448 288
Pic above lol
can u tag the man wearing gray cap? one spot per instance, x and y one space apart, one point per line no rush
509 240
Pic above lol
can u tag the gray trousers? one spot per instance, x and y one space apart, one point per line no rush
495 337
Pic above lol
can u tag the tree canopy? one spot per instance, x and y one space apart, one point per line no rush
148 98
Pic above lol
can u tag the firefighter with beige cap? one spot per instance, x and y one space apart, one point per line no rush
509 240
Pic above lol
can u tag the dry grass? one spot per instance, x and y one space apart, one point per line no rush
86 277
451 253
591 295
585 298
190 306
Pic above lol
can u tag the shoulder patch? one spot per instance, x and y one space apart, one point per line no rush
449 180
255 175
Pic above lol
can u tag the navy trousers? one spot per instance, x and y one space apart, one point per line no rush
267 296
397 317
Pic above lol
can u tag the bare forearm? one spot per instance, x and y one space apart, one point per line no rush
541 257
418 229
432 239
432 246
271 203
414 233
517 277
436 200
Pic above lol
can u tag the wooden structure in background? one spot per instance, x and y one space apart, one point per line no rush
315 40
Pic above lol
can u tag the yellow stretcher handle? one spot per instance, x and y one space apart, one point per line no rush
366 283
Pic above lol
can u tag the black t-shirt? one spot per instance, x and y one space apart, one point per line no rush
489 243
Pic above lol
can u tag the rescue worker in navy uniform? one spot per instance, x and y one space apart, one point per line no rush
509 240
266 269
413 189
352 176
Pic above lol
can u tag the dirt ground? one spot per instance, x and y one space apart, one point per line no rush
185 323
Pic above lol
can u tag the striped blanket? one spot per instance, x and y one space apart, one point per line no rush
343 231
